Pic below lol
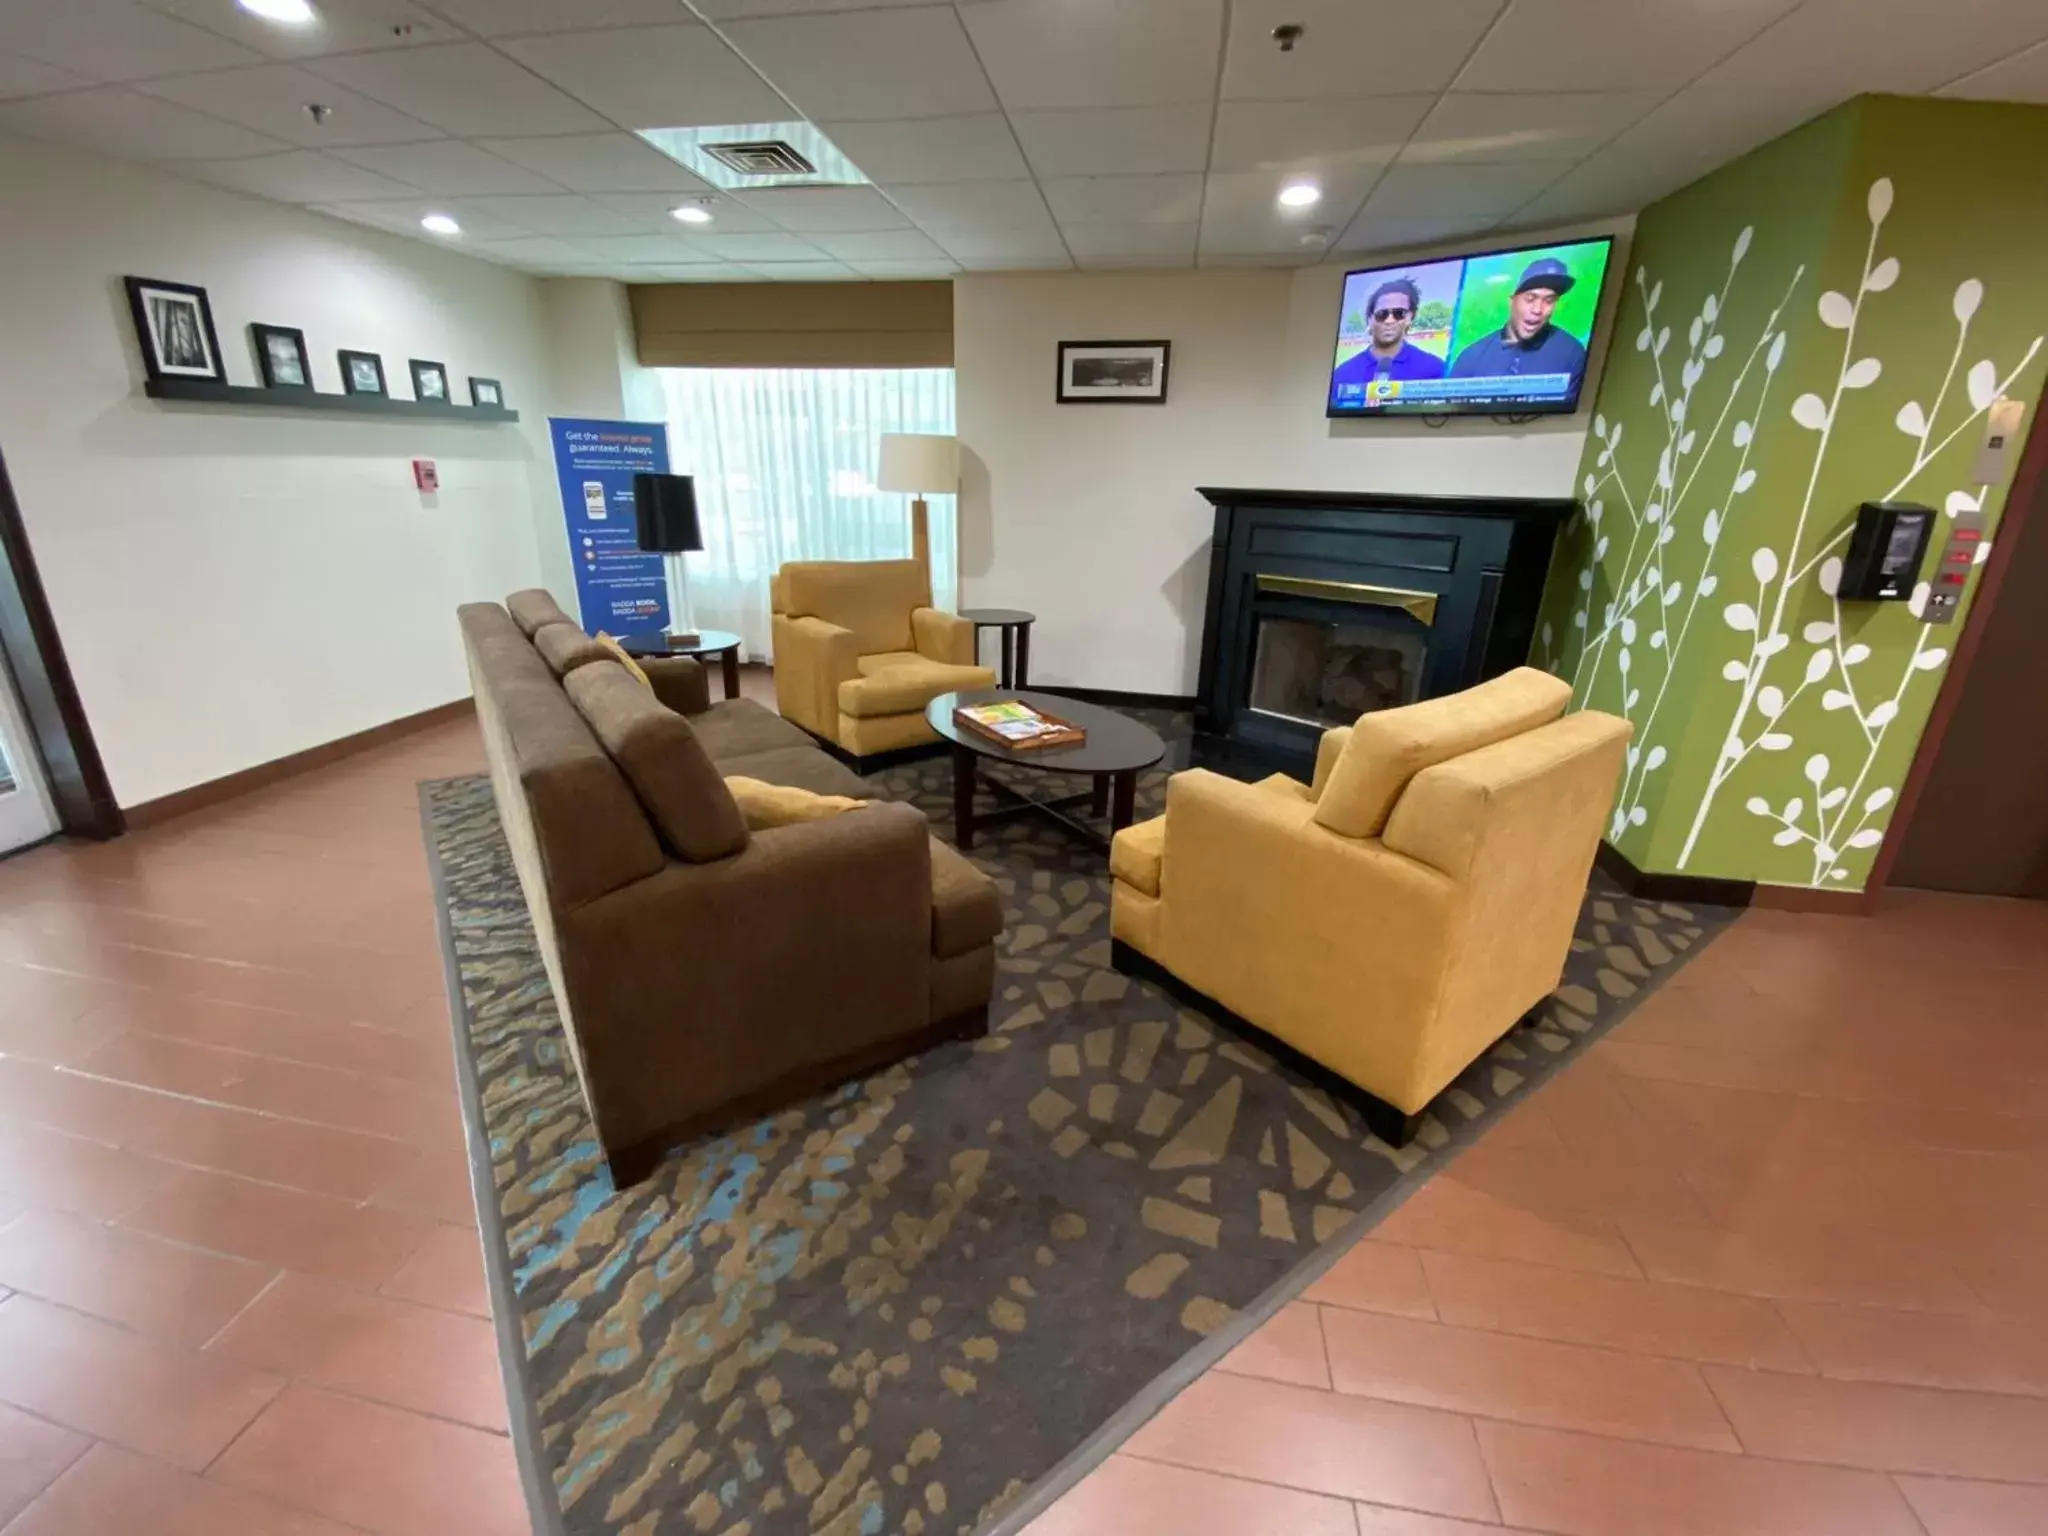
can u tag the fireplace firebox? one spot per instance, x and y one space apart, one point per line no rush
1326 605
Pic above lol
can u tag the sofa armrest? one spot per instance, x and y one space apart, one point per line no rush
1328 750
941 636
812 658
679 682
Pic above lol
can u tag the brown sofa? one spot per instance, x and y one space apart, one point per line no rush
706 973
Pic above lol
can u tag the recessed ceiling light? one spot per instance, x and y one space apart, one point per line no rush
440 224
690 213
290 13
1300 194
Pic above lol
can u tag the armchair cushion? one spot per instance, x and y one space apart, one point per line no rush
906 689
882 661
872 598
1390 746
662 759
766 805
1135 855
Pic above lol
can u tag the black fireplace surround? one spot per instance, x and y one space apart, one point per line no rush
1324 605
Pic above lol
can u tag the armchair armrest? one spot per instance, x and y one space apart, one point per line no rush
941 636
812 658
1328 750
679 682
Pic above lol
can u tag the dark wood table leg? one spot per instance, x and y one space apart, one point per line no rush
963 798
1004 678
1126 801
1023 656
1098 804
729 663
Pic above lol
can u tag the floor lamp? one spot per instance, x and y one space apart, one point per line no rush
920 463
665 507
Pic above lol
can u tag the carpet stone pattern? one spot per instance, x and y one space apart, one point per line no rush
894 1307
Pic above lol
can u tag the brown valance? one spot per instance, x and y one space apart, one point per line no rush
793 325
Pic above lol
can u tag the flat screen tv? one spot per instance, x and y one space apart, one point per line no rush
1500 333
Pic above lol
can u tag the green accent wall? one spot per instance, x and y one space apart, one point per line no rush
1818 324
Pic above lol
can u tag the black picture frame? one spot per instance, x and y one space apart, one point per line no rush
1115 375
281 352
350 383
174 328
422 374
486 392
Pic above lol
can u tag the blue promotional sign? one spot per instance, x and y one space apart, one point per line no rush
619 587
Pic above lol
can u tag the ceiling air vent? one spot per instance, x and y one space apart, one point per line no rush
765 157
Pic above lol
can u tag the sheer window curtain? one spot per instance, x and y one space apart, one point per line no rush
784 460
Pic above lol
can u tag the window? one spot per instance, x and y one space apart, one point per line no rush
784 460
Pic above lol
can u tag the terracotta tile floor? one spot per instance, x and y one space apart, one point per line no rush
1767 1262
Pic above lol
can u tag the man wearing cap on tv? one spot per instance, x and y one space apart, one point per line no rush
1528 343
1389 355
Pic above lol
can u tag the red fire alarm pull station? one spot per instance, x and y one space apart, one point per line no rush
425 476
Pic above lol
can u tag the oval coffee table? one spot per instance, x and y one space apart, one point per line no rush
1118 748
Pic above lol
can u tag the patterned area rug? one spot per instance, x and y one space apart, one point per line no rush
896 1307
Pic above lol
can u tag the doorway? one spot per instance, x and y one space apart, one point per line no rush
26 813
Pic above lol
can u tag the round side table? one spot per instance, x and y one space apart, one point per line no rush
722 643
1015 624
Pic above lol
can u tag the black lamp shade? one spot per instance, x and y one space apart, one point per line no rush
666 508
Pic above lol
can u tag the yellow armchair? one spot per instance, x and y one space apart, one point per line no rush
1400 914
860 652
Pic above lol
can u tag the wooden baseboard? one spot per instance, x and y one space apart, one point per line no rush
151 813
1680 888
1800 898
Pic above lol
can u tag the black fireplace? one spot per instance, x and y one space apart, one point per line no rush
1324 605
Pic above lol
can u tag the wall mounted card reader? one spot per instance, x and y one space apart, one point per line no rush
1952 571
1885 550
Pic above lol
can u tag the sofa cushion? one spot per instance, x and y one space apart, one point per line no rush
663 761
1390 746
967 911
766 805
565 647
533 608
907 688
1135 854
872 598
804 767
740 727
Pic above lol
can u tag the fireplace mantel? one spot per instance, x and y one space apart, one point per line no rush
1319 600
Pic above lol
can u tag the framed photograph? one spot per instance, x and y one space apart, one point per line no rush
174 324
486 392
1113 372
429 381
362 373
281 356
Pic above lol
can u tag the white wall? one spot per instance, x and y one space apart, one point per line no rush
236 585
1088 515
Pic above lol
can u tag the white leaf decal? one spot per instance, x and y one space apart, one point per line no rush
1600 428
1969 294
1742 434
1869 837
1653 514
1734 671
1707 585
1787 838
1855 654
1771 700
1883 275
1621 660
1819 632
1657 640
1774 741
1764 564
1579 619
1715 345
1835 699
1643 339
1741 245
1816 769
1744 481
1817 665
1879 799
1836 310
1600 549
1633 754
1585 581
1831 575
1757 805
1709 308
1670 532
1793 807
1656 293
1699 326
1685 443
1776 355
1663 341
1811 412
1911 419
1710 529
1862 373
1657 392
1638 816
1656 760
1773 644
1628 631
1834 797
1958 502
1673 593
1917 603
1823 849
1927 661
1880 200
1590 485
1983 383
1740 616
1838 874
1884 714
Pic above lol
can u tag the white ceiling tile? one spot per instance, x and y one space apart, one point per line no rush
908 61
651 211
402 215
654 77
974 206
906 271
1445 191
673 250
1596 45
1097 53
302 176
697 272
1494 129
112 39
755 248
802 271
30 77
1111 141
2023 77
273 99
1300 256
524 250
598 162
1880 45
1351 47
808 210
121 123
1124 199
977 147
561 215
1314 135
1252 198
1369 233
1018 264
1131 242
884 245
467 89
449 167
338 26
980 248
733 10
508 18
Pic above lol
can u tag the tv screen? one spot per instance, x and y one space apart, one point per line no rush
1503 333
